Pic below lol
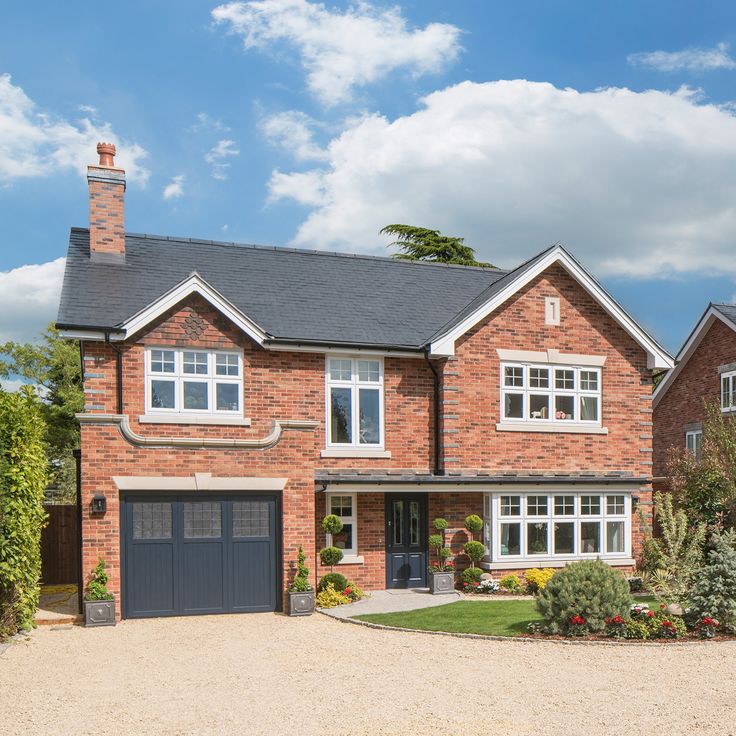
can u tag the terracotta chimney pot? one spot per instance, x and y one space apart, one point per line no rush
107 153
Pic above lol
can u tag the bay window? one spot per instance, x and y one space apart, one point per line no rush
354 402
191 381
550 393
532 526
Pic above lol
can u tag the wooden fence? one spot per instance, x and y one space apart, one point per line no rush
60 546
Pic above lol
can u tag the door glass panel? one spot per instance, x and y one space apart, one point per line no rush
341 419
370 427
202 519
151 521
536 538
510 539
565 538
397 517
414 522
250 519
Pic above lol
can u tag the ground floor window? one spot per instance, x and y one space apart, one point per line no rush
345 505
534 526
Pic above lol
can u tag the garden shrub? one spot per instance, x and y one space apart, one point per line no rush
474 550
97 585
537 579
636 584
656 624
437 543
636 629
353 592
471 575
330 556
332 524
23 476
301 583
590 590
440 524
713 593
330 598
511 582
336 579
473 523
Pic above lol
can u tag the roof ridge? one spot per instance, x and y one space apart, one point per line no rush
305 251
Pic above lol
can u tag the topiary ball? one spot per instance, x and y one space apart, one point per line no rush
332 524
474 550
473 523
435 541
339 581
330 556
440 524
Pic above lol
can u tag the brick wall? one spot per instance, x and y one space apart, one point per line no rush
697 383
106 212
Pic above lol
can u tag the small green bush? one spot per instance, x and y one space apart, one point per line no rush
435 541
330 556
336 579
713 593
537 579
511 582
329 598
301 584
636 629
474 550
471 575
473 523
440 524
590 590
97 585
332 524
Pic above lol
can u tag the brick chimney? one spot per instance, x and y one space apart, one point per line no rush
106 207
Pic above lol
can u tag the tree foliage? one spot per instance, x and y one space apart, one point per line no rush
23 477
706 488
53 366
713 592
423 244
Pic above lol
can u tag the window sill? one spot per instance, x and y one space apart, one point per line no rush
554 562
550 427
352 560
193 419
354 452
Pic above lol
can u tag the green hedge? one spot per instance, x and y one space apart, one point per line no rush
23 476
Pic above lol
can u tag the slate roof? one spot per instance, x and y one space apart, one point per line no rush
727 310
293 295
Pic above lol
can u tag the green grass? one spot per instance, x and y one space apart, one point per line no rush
497 617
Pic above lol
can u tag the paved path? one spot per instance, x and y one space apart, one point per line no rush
263 674
389 601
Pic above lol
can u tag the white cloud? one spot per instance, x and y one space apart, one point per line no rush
11 384
175 188
692 59
635 183
29 299
34 143
217 157
293 131
207 122
340 50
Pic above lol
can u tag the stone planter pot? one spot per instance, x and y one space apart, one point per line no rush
441 583
301 604
99 613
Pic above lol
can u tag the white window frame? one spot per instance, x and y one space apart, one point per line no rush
728 391
354 384
492 526
694 442
351 554
526 391
178 377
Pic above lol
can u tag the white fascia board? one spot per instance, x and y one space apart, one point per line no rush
656 356
690 346
195 284
93 335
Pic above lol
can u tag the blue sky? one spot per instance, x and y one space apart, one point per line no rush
514 124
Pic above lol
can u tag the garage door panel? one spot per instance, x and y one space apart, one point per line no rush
189 555
253 572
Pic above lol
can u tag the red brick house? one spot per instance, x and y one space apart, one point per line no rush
236 393
705 372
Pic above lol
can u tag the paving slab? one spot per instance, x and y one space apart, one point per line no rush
391 601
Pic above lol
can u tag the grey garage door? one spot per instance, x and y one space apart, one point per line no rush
185 555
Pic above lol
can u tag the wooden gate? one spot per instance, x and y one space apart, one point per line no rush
60 546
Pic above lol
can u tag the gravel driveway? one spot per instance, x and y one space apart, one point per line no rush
268 674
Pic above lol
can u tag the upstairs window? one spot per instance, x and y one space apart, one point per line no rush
694 442
728 391
183 381
550 393
354 402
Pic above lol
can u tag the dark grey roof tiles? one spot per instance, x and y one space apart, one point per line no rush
300 295
727 310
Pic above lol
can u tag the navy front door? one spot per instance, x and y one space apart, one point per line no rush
406 540
186 555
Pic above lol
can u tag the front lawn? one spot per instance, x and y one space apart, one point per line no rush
496 617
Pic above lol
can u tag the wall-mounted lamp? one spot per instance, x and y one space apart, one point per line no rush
634 503
99 504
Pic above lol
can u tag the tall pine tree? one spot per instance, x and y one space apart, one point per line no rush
422 244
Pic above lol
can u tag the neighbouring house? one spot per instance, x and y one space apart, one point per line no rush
237 393
705 372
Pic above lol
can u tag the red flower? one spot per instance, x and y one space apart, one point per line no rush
617 619
475 585
608 620
668 624
650 614
348 591
577 621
